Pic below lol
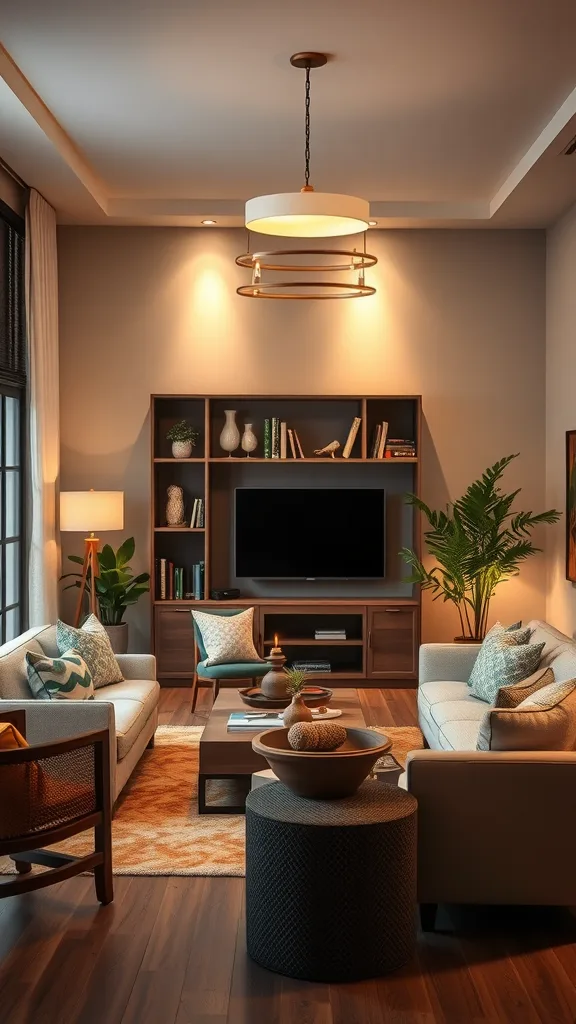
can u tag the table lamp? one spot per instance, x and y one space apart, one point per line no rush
87 512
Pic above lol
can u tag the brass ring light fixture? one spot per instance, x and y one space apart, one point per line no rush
307 214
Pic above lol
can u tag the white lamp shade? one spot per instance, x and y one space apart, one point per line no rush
91 511
307 214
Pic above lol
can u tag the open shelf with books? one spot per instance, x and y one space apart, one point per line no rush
366 629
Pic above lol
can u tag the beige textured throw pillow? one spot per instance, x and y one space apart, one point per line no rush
227 638
92 643
512 696
544 721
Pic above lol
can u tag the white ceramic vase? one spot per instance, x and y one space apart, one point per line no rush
181 449
249 439
230 436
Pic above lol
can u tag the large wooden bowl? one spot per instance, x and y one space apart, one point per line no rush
314 697
322 775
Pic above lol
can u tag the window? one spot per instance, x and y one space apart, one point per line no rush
12 420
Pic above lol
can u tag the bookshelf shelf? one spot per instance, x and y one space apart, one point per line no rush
178 529
298 462
381 648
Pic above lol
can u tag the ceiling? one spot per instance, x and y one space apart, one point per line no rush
444 113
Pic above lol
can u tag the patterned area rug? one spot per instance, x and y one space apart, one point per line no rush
157 829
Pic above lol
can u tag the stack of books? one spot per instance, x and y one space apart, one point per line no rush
172 581
197 517
281 441
399 448
255 720
378 443
314 667
329 634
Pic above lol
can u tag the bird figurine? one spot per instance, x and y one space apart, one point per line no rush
330 449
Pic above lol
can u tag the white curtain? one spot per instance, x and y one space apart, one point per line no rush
44 413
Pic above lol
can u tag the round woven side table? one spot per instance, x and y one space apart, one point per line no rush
331 884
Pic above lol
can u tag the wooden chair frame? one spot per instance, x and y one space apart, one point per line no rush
25 850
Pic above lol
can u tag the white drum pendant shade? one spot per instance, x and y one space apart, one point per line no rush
307 214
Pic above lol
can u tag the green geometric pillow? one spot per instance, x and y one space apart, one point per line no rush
504 658
63 678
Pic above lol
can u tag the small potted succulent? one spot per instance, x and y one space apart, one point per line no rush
296 710
183 439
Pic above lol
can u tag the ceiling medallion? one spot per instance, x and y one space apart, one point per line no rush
307 214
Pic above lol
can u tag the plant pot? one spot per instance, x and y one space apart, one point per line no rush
297 711
466 640
181 449
118 636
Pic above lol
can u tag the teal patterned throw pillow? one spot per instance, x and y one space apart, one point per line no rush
63 678
504 658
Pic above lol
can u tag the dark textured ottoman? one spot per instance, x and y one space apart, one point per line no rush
331 884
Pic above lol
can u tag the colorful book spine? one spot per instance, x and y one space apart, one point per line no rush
298 445
200 517
178 583
267 439
198 581
283 441
170 581
163 590
275 437
382 442
351 437
291 441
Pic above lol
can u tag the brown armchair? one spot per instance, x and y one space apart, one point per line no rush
49 792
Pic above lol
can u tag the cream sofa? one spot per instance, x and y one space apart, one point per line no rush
493 827
129 710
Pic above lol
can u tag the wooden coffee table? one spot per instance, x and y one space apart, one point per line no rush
229 755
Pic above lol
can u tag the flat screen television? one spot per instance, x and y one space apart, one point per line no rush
309 533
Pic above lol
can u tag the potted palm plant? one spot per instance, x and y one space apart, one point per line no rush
116 589
478 543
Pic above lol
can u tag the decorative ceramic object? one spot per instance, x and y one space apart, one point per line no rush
230 436
118 637
310 736
274 682
181 449
296 711
175 506
322 775
330 449
249 439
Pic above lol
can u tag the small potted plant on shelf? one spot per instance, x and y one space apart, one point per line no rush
478 542
116 589
296 710
183 438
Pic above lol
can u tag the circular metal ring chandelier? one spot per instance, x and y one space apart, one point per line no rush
307 214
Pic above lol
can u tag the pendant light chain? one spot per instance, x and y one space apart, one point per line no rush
307 131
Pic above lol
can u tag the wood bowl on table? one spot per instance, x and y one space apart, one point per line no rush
322 775
314 697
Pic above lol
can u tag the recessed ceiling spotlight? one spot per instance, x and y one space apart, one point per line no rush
208 223
372 223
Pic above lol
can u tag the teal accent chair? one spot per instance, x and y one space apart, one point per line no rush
248 670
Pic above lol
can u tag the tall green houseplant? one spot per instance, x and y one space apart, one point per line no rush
478 543
116 586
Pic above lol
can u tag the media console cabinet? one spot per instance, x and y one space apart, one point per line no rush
381 618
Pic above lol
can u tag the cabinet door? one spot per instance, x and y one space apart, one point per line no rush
392 642
174 643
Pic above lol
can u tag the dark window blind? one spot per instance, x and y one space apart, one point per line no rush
12 308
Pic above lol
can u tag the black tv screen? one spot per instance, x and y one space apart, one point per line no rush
309 533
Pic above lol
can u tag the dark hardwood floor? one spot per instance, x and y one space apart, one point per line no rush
172 951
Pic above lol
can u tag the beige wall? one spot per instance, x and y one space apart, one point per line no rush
459 317
560 406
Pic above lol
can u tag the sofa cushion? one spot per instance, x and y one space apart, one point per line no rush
235 670
544 721
92 642
503 659
512 696
13 673
443 703
62 678
134 701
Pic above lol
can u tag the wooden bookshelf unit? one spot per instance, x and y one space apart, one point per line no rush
381 618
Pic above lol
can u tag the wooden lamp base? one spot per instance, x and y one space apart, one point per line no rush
90 562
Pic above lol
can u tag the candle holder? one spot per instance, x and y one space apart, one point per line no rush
274 682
